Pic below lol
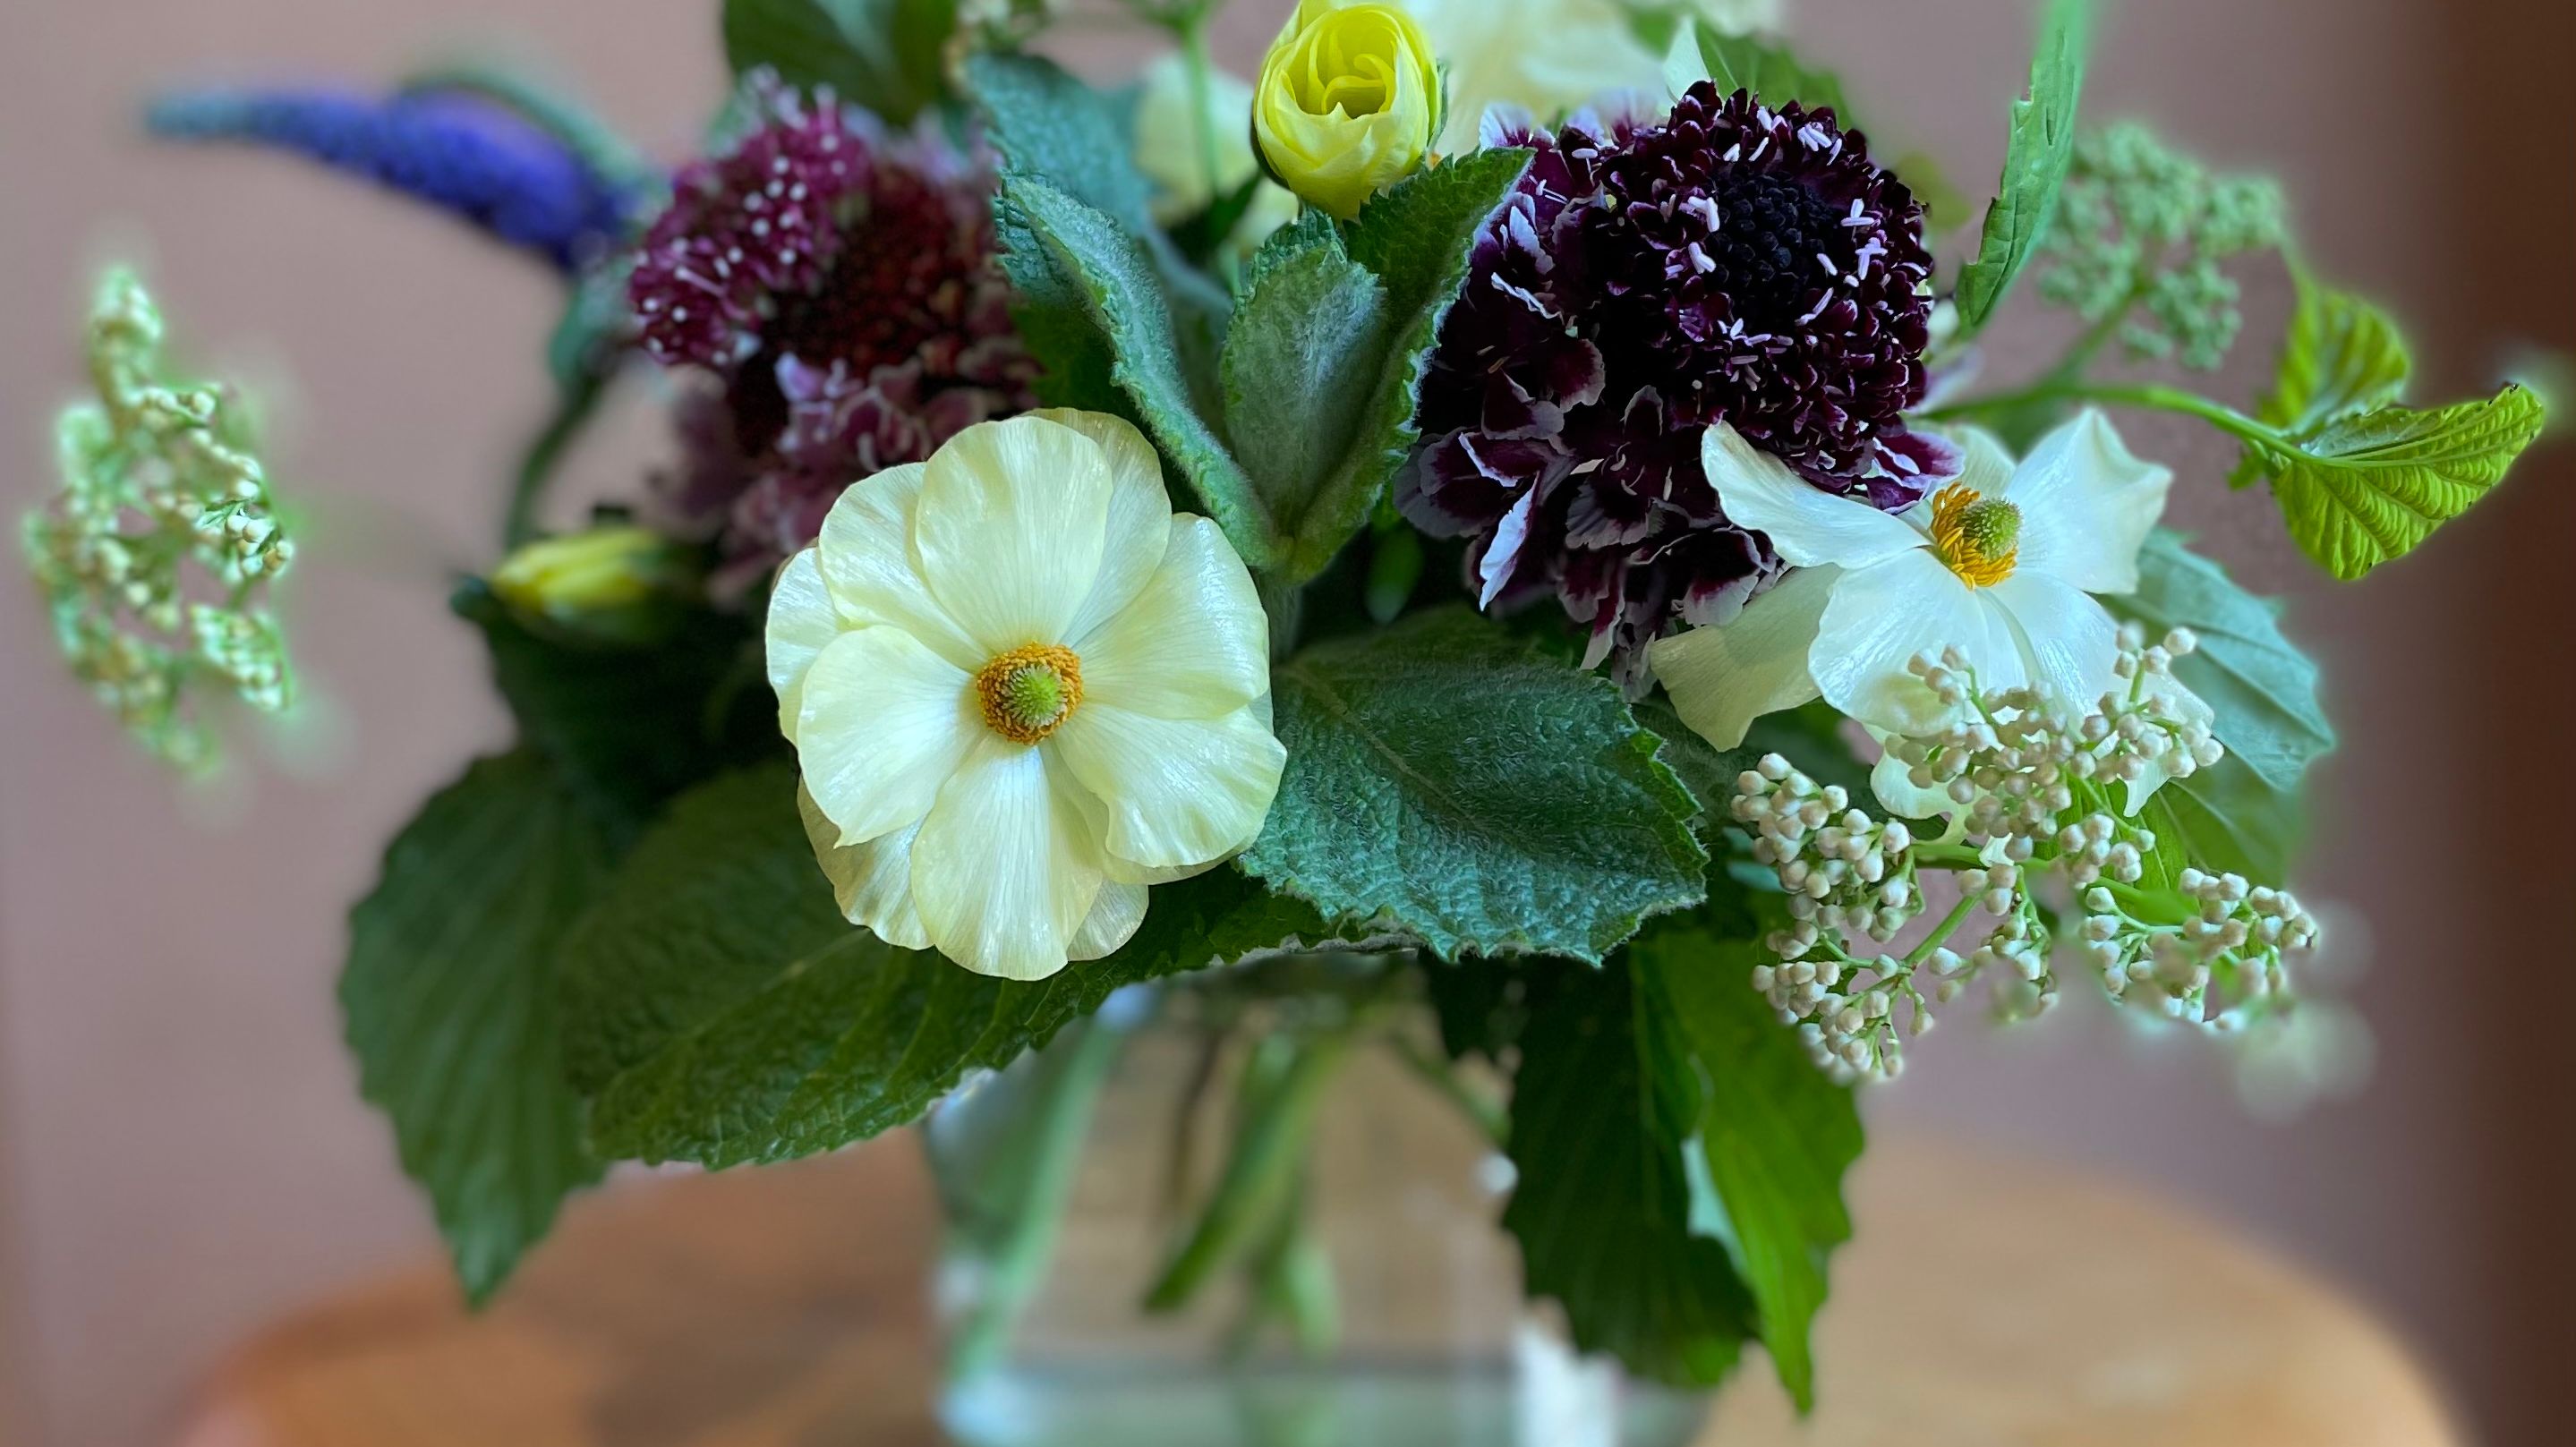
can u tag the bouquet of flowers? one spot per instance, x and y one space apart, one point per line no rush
1501 512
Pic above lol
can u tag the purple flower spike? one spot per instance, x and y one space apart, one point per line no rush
1728 263
458 152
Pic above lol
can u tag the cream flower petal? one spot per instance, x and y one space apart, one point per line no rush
1722 679
871 882
2087 504
1000 871
2067 640
802 623
1891 779
1140 515
1111 924
1808 525
1880 617
865 556
1194 644
1011 528
1175 792
882 722
1986 466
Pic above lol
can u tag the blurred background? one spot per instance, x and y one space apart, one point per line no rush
182 1151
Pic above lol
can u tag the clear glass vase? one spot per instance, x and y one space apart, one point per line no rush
1257 1210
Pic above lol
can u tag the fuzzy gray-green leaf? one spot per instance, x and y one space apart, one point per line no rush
2261 687
1449 780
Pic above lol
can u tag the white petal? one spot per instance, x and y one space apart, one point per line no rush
1000 871
1808 525
1722 679
882 724
1891 780
1194 644
1140 515
1880 617
866 558
1111 924
1175 792
1985 464
2087 504
1011 529
802 623
871 882
2067 640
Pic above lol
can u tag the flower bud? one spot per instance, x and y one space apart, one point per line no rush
610 583
1348 102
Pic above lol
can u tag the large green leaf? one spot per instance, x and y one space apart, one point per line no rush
1602 1201
1324 363
1774 76
2041 146
2261 687
1459 785
450 1000
2370 487
719 1010
1770 1134
2226 819
2361 479
885 55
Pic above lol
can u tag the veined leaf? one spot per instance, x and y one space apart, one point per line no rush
1453 782
1068 250
450 1000
2261 687
2369 487
2342 355
718 1009
1770 1136
1602 1202
2036 156
881 54
1700 51
1323 365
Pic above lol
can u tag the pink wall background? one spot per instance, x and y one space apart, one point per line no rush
182 1153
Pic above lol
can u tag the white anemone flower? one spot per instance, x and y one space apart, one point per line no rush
2000 565
1021 689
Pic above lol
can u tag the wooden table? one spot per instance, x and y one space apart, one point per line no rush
1985 1304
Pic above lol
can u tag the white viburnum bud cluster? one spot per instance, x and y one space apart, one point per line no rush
1852 888
153 556
2033 794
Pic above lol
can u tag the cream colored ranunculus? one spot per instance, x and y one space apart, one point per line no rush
1348 101
1021 689
1550 57
1167 150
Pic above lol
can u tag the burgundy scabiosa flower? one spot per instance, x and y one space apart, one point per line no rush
1728 263
837 281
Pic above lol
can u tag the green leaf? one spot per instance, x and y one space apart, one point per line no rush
2341 355
718 1008
1046 123
1068 250
624 727
1457 784
1700 51
1323 366
2261 687
1602 1202
2036 156
450 1001
2226 819
1770 1134
885 55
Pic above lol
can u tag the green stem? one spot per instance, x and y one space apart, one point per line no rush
1941 932
1281 1101
1194 50
537 465
2150 396
1443 1078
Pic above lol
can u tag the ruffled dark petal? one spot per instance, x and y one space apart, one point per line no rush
1650 277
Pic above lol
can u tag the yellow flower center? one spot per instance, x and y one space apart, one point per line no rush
1978 537
1030 691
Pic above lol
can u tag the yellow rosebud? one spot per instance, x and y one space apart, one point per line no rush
608 582
1348 103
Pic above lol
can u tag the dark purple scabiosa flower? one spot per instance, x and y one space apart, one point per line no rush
1728 263
460 152
837 282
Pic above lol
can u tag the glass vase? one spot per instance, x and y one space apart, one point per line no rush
1258 1209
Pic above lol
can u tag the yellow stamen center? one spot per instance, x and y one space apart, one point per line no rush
1979 538
1030 691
